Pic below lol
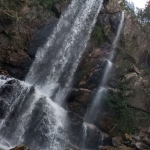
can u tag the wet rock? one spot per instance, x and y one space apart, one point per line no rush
115 148
110 23
72 147
21 147
18 71
8 88
106 123
40 36
83 134
96 76
78 100
93 137
75 127
107 140
56 9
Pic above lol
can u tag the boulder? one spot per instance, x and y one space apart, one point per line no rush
92 138
56 9
78 100
83 135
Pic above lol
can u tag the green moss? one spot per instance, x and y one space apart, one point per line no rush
98 34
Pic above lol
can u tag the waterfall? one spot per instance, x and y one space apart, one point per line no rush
60 56
30 116
102 90
84 135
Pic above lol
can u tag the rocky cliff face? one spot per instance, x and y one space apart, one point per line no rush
126 107
22 25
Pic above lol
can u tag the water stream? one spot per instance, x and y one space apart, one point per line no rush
32 112
84 135
60 56
102 90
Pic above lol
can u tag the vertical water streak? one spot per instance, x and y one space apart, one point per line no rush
106 73
117 36
87 29
89 116
84 135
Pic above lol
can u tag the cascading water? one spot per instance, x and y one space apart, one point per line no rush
84 135
29 116
64 49
89 116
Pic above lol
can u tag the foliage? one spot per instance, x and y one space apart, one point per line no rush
8 7
47 3
124 113
98 34
144 14
128 6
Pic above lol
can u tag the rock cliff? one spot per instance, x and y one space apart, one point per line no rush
126 108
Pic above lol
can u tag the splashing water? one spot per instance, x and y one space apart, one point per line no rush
29 115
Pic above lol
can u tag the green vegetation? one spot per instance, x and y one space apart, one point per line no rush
128 117
12 8
98 34
47 3
122 111
127 6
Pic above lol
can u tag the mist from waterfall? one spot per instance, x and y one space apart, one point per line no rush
33 114
102 90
